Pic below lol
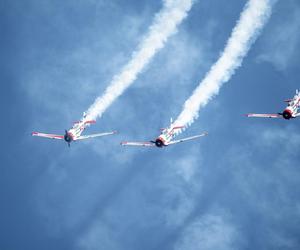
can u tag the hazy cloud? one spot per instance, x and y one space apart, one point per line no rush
211 232
281 42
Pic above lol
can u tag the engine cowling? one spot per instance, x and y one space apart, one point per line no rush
68 138
159 143
287 114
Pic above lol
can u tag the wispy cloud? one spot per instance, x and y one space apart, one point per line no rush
208 233
265 171
177 183
281 42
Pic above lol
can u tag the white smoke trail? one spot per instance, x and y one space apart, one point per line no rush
249 25
164 25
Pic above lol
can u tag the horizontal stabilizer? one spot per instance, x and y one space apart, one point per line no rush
288 100
82 137
50 136
178 127
90 122
86 122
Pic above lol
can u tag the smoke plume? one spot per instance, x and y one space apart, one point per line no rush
248 27
164 25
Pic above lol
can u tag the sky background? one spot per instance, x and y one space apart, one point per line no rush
237 188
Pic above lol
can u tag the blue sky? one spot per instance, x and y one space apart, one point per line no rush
234 189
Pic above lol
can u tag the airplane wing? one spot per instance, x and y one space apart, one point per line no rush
265 115
187 138
82 137
142 144
50 136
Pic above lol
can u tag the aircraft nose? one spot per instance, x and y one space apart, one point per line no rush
67 137
287 114
158 143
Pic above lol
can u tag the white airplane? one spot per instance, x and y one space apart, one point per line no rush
291 111
74 134
164 139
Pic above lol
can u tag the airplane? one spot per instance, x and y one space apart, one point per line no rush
164 139
291 111
74 134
